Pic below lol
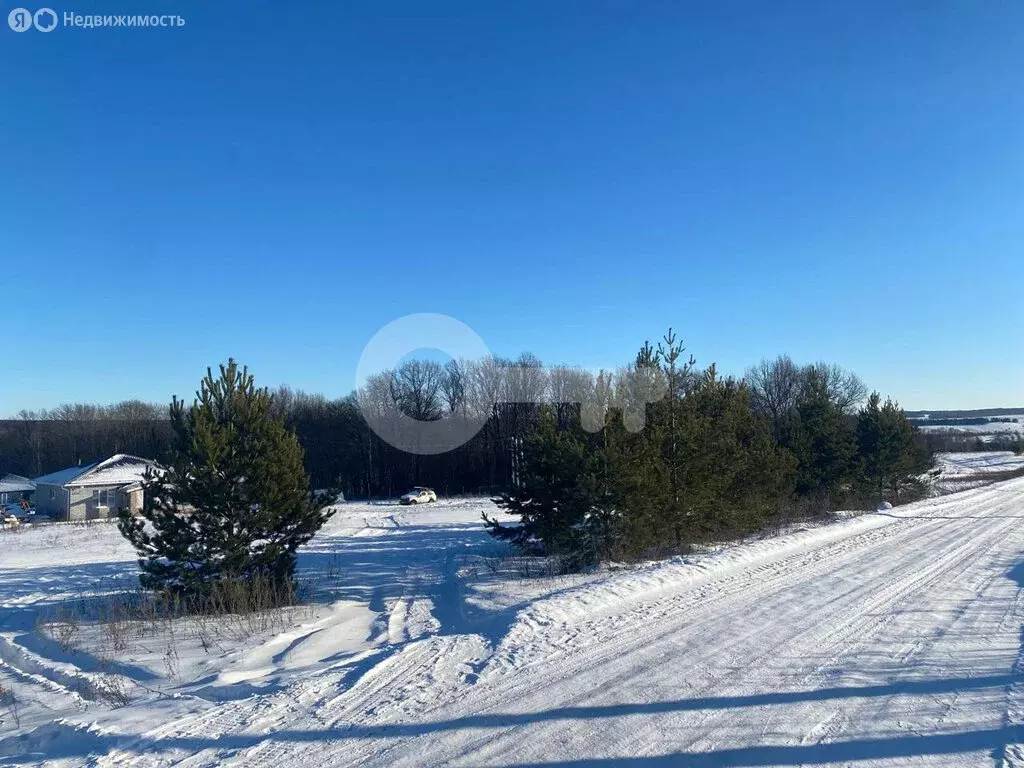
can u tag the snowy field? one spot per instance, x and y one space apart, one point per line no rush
884 639
968 464
986 432
990 428
960 471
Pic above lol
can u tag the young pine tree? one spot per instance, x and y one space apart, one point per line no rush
674 427
563 500
889 456
233 502
738 478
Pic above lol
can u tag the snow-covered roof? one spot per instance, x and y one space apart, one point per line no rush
120 469
63 476
16 484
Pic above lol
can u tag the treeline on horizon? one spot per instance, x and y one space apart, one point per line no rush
508 398
965 414
979 421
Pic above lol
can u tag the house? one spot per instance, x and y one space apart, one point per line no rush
14 488
93 491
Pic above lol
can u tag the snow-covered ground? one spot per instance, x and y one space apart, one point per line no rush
1008 427
960 471
967 464
885 639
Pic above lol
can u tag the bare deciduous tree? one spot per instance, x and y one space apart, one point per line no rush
845 389
525 380
416 389
487 383
774 388
569 388
453 386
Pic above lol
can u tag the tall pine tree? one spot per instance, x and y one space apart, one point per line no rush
233 502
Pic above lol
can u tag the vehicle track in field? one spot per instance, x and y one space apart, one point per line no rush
714 658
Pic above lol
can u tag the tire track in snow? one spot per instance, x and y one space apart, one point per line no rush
944 549
638 646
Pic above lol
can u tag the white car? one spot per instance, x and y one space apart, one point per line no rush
418 495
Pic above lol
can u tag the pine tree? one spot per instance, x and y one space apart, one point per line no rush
738 479
821 439
233 501
642 462
676 433
562 500
704 467
888 453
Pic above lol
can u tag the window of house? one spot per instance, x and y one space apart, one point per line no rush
104 497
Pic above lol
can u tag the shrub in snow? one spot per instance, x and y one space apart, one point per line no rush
883 506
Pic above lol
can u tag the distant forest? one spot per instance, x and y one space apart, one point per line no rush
341 449
952 441
976 421
966 440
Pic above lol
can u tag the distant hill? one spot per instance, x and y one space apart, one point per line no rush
976 414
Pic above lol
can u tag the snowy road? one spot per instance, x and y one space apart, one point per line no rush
883 640
886 640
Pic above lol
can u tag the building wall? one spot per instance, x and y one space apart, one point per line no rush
52 501
80 503
78 507
84 502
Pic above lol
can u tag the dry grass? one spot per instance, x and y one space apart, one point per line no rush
955 483
113 690
118 623
9 704
232 611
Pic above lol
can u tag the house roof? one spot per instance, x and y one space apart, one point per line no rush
120 469
12 478
63 476
16 484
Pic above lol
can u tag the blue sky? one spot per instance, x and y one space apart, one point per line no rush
839 181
